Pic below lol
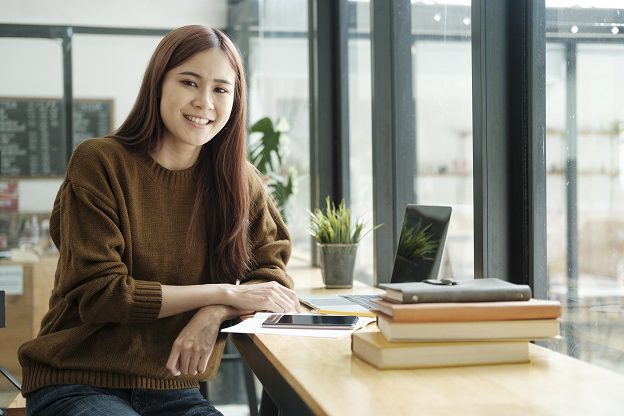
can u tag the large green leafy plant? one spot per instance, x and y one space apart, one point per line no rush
267 155
334 226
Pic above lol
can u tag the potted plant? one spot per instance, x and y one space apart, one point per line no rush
337 238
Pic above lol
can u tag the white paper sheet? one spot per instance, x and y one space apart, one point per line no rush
254 326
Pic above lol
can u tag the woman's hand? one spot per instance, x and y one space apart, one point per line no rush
193 346
269 296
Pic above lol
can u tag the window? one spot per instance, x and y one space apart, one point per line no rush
360 133
585 175
442 83
278 88
27 188
98 74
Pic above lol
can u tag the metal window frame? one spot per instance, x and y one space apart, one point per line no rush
508 52
329 107
393 128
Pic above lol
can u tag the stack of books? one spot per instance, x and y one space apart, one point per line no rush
484 321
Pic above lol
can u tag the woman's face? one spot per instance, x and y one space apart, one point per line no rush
197 100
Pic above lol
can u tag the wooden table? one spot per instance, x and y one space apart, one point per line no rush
321 377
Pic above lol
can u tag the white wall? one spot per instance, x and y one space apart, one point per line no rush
111 67
116 13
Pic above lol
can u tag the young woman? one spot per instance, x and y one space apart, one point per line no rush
159 227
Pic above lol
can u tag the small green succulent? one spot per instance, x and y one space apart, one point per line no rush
334 225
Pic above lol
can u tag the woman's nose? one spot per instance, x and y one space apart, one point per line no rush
204 101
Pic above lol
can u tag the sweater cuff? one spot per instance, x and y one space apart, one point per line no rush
147 299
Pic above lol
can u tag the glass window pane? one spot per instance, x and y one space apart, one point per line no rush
97 74
360 131
584 157
442 73
29 156
278 88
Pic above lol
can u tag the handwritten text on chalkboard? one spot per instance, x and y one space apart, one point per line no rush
32 141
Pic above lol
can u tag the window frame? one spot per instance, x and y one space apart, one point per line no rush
508 51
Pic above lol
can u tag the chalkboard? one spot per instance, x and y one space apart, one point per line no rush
32 142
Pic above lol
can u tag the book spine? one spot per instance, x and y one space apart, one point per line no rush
490 295
467 331
431 355
468 314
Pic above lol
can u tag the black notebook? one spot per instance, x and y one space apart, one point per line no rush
477 290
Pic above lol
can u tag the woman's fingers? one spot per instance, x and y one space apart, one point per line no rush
184 362
288 298
293 301
189 362
287 303
203 363
193 362
191 350
280 300
172 362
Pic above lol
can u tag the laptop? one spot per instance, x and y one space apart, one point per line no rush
418 258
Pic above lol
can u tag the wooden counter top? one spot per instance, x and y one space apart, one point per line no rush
330 381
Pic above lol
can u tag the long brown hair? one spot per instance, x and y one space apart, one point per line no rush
222 185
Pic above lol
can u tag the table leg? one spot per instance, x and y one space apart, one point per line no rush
267 406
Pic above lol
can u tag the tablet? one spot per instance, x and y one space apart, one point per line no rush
280 320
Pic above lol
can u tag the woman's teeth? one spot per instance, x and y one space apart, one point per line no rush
197 120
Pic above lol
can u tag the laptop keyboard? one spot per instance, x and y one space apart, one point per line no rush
363 300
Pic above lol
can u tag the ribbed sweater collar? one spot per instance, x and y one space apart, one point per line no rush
168 177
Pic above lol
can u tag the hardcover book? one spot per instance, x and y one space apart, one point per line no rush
469 311
477 290
374 349
468 331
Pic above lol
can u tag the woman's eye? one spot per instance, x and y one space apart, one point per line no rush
221 90
189 83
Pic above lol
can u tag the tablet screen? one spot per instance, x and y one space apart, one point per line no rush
310 321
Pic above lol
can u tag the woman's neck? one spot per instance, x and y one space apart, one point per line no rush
176 157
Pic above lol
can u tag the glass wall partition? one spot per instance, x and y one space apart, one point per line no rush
98 75
360 133
32 144
585 176
277 66
442 91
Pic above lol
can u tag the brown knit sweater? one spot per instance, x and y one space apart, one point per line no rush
120 222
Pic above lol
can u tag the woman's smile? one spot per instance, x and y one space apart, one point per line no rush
198 121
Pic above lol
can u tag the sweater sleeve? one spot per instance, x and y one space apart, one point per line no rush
92 275
268 236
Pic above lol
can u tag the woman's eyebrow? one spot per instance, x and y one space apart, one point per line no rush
196 75
222 81
190 73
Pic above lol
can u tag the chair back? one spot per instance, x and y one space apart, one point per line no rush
2 318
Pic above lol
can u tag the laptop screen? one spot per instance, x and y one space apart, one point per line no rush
421 244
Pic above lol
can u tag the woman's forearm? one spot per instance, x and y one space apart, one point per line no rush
179 299
269 296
